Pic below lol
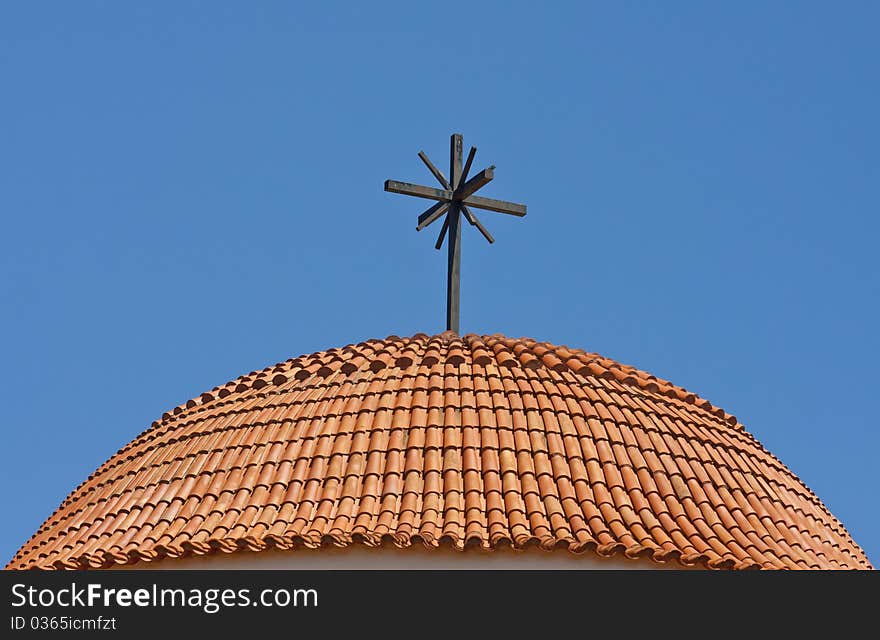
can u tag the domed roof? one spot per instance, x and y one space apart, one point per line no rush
480 441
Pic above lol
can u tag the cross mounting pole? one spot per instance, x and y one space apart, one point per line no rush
454 200
453 259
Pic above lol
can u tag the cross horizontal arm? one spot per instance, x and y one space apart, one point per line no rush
474 220
418 191
501 206
432 214
477 182
437 173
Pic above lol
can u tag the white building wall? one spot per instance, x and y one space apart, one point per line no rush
359 557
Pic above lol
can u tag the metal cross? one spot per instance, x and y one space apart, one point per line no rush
454 199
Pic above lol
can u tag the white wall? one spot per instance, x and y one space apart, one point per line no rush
359 557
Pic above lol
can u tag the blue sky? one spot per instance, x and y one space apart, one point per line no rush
190 191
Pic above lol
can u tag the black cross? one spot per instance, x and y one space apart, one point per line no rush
454 199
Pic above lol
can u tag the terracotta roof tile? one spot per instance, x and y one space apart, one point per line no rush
444 440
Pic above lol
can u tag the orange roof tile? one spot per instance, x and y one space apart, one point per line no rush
446 441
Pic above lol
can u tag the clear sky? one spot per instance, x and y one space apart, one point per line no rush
191 191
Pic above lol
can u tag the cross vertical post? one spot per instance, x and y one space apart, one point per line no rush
453 201
453 270
453 261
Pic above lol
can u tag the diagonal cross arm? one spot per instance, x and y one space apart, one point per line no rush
442 235
432 214
475 221
477 182
468 163
437 173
